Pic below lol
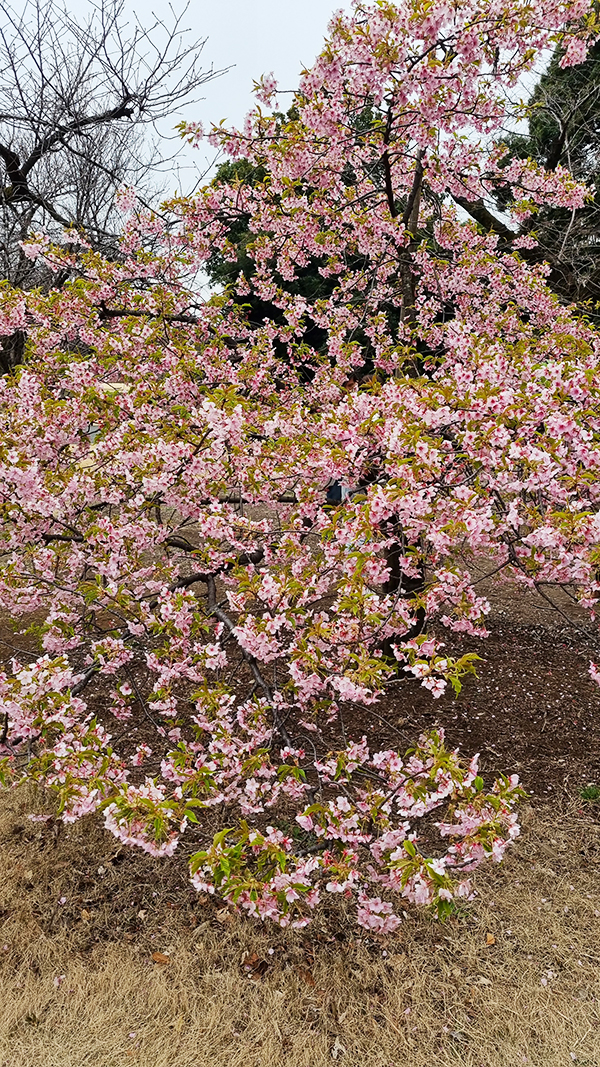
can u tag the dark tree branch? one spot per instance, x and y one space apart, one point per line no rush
105 313
85 680
410 218
70 539
478 211
387 166
260 681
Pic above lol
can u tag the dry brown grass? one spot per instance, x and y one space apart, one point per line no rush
235 994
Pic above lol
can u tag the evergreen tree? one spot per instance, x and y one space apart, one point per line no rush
564 131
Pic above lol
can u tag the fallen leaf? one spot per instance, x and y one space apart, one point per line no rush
490 939
306 976
224 916
160 957
338 1049
255 967
85 915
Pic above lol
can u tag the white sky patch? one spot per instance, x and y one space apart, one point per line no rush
252 38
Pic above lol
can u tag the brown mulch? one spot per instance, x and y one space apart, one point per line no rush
533 710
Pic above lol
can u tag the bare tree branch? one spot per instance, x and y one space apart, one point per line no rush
79 102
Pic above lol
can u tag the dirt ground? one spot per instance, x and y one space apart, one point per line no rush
108 957
533 709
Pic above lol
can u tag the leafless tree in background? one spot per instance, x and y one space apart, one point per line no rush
79 105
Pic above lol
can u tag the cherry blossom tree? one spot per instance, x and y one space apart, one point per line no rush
206 619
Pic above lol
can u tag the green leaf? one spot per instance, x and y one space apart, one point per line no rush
222 836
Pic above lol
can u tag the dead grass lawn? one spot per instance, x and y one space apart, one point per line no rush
515 980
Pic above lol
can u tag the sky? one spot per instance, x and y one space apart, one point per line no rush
256 37
251 37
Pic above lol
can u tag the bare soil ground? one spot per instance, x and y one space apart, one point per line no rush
108 957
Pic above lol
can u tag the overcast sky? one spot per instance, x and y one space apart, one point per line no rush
257 37
252 37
